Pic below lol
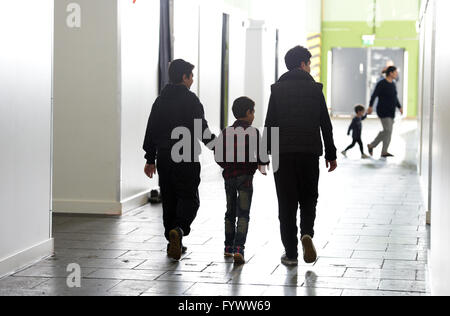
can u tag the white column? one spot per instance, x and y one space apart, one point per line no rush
260 67
440 221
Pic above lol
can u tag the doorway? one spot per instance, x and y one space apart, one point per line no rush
356 72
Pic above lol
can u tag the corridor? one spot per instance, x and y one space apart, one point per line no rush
370 235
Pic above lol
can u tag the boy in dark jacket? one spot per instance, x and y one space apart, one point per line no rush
240 159
176 107
298 108
356 127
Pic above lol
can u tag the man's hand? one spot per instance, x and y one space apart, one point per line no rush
370 111
401 111
331 165
262 169
150 170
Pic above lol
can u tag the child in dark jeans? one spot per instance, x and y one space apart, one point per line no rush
356 127
240 160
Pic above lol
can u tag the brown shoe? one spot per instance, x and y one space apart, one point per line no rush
175 246
309 251
239 256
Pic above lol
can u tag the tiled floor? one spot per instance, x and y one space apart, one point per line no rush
371 238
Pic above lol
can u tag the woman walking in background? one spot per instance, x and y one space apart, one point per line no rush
386 92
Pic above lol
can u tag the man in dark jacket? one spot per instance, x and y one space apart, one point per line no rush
176 108
298 108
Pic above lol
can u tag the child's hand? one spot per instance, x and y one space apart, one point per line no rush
262 169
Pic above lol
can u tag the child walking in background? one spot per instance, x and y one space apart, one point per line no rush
356 127
239 140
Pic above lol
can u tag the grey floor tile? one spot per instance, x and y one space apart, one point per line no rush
350 263
50 272
168 288
89 287
381 274
342 283
404 265
173 266
132 286
287 280
18 283
91 254
21 292
201 289
406 286
307 272
361 293
296 291
410 255
109 263
125 274
198 277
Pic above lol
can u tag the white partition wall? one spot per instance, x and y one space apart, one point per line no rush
260 67
87 109
426 93
25 137
211 17
440 232
105 84
139 54
238 44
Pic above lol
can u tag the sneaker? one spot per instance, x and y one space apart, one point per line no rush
175 246
288 261
370 150
239 255
344 153
309 251
388 155
229 252
364 156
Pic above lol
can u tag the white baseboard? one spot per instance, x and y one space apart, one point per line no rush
134 202
100 207
26 258
87 207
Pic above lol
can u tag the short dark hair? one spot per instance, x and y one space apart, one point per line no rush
389 70
177 69
296 56
360 108
241 106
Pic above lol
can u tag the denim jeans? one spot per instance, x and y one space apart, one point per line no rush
239 199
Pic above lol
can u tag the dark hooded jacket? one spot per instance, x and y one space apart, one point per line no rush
297 106
176 107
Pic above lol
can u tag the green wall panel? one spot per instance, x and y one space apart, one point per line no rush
390 34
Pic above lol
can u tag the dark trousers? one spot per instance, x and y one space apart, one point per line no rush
297 181
179 191
356 141
239 200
